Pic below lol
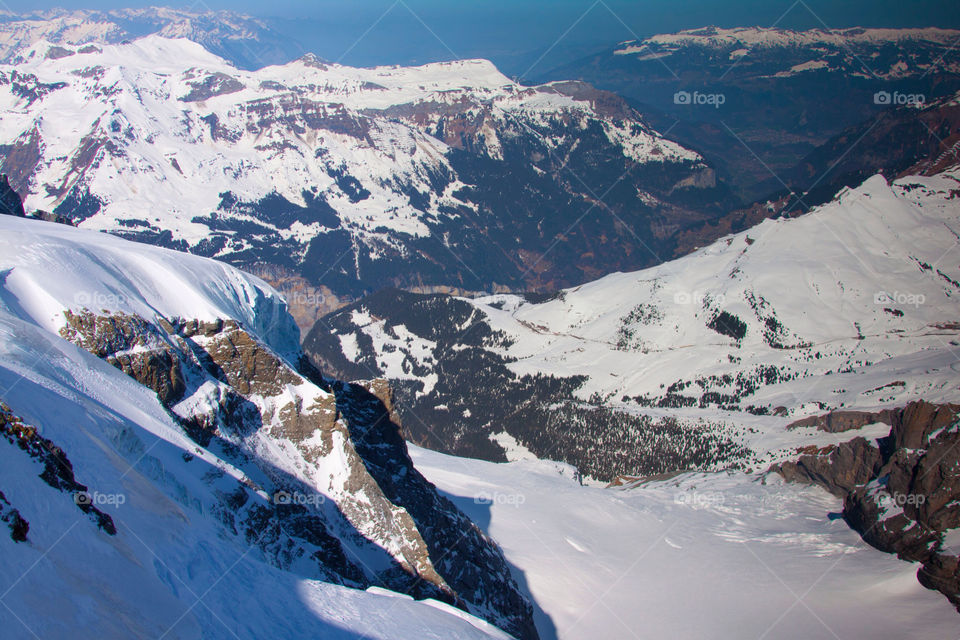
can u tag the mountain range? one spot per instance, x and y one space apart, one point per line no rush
650 346
342 179
756 100
248 42
851 305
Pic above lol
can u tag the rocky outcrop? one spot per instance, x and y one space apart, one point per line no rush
46 216
12 205
341 486
17 525
478 578
10 202
56 471
213 85
901 493
839 469
132 345
840 421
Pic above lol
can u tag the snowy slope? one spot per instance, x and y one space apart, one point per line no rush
698 556
43 276
187 538
859 289
854 305
822 276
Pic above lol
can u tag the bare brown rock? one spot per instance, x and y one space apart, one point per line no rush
901 495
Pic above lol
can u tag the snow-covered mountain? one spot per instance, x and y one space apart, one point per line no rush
248 42
135 500
446 175
173 467
697 363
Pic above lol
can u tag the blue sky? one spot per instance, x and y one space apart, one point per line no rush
556 12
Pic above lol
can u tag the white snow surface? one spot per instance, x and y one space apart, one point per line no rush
698 556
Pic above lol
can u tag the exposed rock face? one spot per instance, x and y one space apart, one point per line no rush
351 506
840 421
377 437
10 202
902 493
18 526
839 469
56 472
132 345
215 84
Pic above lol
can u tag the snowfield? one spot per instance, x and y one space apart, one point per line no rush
49 268
697 556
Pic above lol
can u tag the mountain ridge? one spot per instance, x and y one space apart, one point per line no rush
718 344
186 424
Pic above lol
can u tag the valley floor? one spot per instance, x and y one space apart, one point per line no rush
698 556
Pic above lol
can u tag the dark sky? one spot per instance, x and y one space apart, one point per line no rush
516 33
